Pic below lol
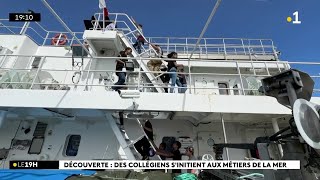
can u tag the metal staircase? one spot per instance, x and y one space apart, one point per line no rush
125 142
127 43
145 135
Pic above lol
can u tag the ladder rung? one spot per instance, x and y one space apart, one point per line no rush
136 140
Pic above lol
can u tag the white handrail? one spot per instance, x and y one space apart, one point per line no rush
239 74
65 26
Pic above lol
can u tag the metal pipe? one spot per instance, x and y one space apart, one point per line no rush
279 132
64 25
45 39
276 129
139 75
3 115
3 60
24 28
206 26
37 72
224 135
241 82
214 10
103 18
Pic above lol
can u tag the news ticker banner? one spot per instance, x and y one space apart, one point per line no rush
122 165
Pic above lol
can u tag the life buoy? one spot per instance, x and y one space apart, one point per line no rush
59 41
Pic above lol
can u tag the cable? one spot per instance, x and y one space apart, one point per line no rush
214 10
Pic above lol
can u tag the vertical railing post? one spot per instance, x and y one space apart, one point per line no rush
224 49
244 49
168 44
103 22
254 69
71 42
116 19
15 61
265 64
189 73
276 129
28 64
38 70
88 73
241 82
187 46
274 52
249 49
58 39
205 45
45 39
139 74
224 135
97 21
24 28
278 66
263 51
3 60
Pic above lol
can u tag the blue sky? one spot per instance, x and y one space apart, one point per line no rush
181 18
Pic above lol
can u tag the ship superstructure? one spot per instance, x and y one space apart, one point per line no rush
57 102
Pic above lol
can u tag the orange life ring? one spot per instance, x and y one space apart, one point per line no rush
59 41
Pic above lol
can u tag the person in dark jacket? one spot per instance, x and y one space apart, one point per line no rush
175 154
121 63
183 81
172 69
143 145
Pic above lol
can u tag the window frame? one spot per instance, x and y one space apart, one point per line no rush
66 145
227 88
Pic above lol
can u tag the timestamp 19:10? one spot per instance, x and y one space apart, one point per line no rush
24 17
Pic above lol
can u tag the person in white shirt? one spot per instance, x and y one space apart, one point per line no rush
111 26
190 154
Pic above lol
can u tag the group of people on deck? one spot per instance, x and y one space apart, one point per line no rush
144 148
175 72
174 75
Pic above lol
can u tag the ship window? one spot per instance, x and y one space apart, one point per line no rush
36 145
223 91
236 90
72 145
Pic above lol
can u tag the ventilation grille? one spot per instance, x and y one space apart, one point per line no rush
40 129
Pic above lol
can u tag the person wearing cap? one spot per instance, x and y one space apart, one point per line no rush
190 154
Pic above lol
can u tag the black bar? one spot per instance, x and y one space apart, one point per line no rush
279 132
24 17
284 136
34 164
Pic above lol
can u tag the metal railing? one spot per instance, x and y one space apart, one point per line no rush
223 48
38 33
48 77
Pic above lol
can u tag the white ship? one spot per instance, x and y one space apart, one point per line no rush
57 101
